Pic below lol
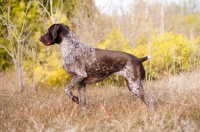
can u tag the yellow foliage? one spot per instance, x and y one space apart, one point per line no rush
190 19
62 19
115 41
171 53
48 69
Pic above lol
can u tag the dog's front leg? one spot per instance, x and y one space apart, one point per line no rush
75 80
82 94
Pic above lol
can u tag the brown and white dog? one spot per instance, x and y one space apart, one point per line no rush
87 65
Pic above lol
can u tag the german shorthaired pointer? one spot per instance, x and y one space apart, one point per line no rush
87 65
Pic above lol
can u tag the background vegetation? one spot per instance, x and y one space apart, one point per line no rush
170 36
167 32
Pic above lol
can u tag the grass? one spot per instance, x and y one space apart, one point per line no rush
110 108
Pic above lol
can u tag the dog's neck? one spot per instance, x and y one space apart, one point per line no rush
70 44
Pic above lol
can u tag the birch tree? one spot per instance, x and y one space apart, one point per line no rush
17 32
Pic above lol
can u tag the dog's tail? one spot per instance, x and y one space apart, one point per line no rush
145 58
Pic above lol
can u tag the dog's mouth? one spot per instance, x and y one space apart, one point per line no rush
45 43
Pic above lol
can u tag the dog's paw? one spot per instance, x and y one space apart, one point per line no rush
75 99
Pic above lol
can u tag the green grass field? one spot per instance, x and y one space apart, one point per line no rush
110 108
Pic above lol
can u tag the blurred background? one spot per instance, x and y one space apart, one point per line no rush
166 30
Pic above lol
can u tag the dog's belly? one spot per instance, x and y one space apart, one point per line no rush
100 71
96 77
91 80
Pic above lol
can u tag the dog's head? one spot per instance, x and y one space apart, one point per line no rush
55 34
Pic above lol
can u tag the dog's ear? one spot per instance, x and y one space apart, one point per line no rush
54 31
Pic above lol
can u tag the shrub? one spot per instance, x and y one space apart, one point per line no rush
47 69
171 53
115 41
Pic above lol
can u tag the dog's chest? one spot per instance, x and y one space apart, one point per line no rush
76 55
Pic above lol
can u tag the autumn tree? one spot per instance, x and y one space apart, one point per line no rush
18 21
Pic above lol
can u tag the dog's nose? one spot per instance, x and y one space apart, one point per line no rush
40 38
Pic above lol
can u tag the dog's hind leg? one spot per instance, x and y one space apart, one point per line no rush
136 87
134 74
82 94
